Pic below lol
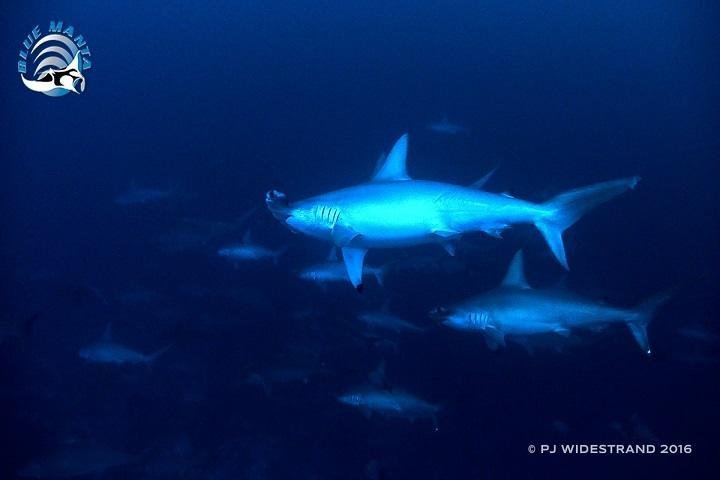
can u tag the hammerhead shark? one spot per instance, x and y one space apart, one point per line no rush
393 210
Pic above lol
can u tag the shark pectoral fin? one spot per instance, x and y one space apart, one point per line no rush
342 235
449 248
494 338
394 166
354 258
515 277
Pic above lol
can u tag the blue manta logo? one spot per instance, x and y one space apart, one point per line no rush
53 64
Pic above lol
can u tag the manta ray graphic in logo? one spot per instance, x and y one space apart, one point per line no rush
54 63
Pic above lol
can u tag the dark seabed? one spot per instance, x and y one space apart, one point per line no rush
116 201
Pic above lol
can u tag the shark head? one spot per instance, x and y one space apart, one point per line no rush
311 217
461 318
353 399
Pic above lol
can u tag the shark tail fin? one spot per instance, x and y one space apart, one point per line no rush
562 211
641 316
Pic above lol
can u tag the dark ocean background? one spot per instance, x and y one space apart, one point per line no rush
220 101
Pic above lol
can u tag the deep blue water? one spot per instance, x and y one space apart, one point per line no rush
218 102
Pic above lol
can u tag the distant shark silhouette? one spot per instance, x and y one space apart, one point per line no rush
65 79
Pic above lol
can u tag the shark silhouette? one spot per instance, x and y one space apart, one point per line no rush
65 79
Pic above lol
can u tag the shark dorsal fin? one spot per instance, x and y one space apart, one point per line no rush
247 238
107 334
394 168
379 163
515 277
481 183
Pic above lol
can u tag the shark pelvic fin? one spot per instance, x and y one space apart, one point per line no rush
394 166
354 258
342 235
515 277
494 338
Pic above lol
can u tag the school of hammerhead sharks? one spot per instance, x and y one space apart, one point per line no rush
396 211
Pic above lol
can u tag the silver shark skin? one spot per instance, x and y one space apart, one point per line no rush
390 403
515 309
395 211
108 352
446 127
250 251
378 398
330 272
387 321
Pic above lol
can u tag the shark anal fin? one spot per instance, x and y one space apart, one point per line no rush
353 258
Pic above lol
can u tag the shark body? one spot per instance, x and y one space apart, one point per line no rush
516 310
395 211
387 321
247 250
109 352
389 403
377 398
446 127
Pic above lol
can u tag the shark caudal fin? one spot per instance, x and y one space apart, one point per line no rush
640 319
565 209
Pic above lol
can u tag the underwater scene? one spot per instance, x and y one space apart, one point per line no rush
368 240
